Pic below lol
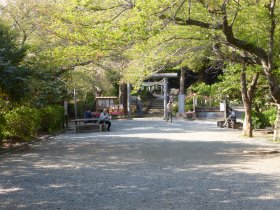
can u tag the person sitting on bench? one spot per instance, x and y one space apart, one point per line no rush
231 117
105 118
88 115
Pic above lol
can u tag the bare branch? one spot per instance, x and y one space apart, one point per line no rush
179 8
114 18
235 56
227 30
98 8
189 8
203 24
253 85
272 32
236 13
189 21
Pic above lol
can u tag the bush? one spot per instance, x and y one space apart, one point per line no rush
264 119
2 126
270 116
257 120
51 118
189 108
22 123
5 106
175 107
144 94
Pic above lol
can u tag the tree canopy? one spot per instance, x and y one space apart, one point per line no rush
13 76
129 40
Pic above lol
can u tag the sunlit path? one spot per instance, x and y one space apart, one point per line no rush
143 164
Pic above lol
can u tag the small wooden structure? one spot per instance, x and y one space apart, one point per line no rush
103 102
110 103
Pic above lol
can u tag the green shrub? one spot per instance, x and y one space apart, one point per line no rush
189 104
22 123
143 94
175 107
51 118
270 116
189 108
4 107
2 126
264 119
257 120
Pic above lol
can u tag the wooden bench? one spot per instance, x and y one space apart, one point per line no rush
265 131
89 124
230 124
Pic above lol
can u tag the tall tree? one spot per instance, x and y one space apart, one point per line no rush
13 76
256 34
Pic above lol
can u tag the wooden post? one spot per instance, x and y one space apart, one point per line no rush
75 104
66 112
194 102
165 90
181 97
129 115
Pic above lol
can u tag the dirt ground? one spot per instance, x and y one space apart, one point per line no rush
144 164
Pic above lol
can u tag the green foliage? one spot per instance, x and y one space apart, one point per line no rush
138 38
175 107
93 80
143 94
270 116
264 119
5 106
189 104
13 77
201 89
51 118
188 108
46 89
2 126
22 123
207 96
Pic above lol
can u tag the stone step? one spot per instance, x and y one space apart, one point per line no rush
158 104
156 107
153 115
154 111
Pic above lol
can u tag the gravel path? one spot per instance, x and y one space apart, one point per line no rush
144 164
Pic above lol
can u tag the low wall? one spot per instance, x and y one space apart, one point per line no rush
209 114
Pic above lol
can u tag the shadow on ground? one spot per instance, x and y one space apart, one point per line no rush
124 170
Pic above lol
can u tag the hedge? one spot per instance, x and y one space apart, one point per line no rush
22 123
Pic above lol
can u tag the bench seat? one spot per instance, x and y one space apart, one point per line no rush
90 126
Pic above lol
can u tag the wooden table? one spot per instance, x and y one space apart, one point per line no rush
85 120
88 124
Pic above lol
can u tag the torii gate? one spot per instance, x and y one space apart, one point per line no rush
165 77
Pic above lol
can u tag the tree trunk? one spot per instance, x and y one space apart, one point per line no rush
123 96
129 111
247 97
182 81
181 97
276 136
247 126
275 92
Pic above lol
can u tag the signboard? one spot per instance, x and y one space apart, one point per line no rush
222 107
